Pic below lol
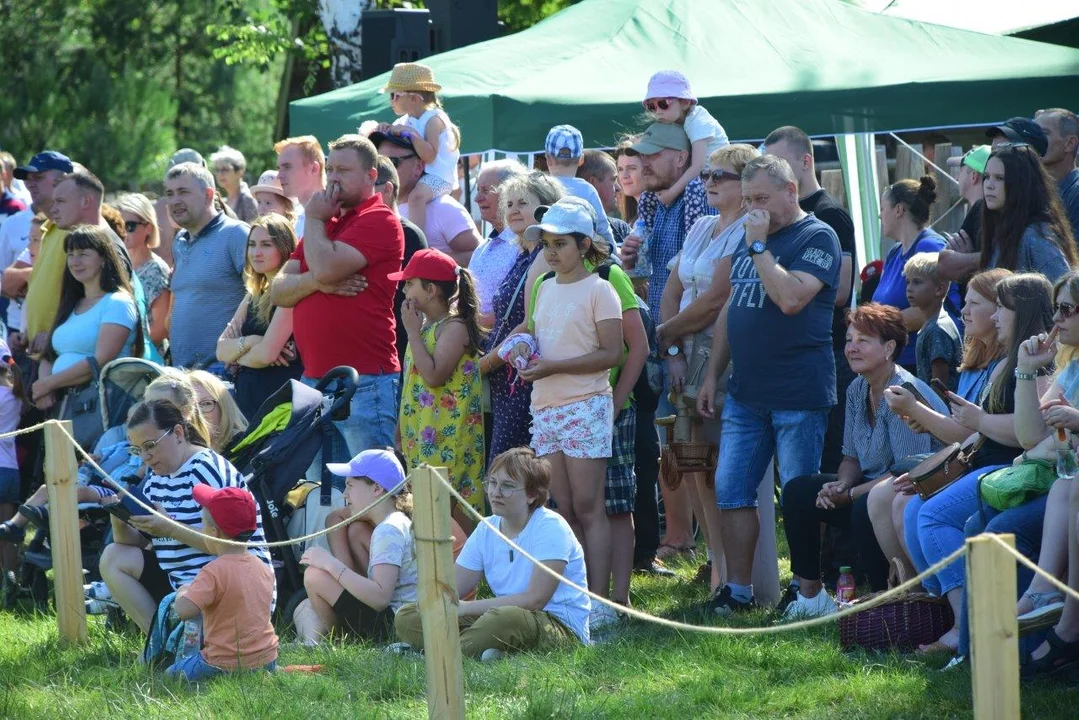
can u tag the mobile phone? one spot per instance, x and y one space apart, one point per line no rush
942 390
913 390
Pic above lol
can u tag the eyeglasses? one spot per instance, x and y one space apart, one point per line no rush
133 225
718 176
506 491
1065 310
1011 145
147 448
657 105
397 160
207 405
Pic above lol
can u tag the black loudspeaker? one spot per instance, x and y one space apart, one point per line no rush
394 36
457 23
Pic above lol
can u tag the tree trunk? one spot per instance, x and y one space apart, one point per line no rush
342 19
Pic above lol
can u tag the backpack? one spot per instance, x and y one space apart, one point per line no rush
650 383
165 636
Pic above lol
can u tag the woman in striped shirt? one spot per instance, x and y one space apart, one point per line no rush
177 458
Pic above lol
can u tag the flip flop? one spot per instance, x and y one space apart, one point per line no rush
935 648
674 550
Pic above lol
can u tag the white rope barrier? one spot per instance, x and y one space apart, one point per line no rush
1037 570
927 160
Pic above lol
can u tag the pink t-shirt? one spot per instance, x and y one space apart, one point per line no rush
564 322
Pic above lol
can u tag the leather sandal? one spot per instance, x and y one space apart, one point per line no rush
1062 657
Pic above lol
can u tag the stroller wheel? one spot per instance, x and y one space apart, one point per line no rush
284 620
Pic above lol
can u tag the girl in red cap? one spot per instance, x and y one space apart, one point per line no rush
441 420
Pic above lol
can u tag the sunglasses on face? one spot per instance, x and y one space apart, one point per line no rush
657 105
132 225
718 176
399 95
1065 310
397 160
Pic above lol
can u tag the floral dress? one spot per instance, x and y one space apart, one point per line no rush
443 426
511 398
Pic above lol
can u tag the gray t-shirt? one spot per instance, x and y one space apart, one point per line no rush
207 286
939 340
888 439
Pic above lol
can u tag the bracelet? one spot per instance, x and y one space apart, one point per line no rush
850 493
339 574
243 345
1020 375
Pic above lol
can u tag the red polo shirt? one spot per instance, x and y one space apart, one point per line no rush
359 331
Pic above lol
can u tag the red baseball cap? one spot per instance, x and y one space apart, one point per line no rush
232 508
429 264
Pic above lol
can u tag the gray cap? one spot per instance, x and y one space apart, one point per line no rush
186 155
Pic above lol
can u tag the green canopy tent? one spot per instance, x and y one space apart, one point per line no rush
830 67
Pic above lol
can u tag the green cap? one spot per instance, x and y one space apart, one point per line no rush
844 569
975 159
661 136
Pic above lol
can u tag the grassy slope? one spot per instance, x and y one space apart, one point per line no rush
646 672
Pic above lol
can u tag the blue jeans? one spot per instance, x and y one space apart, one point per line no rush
933 529
751 436
371 422
194 668
1025 522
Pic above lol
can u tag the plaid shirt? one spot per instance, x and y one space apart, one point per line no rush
669 227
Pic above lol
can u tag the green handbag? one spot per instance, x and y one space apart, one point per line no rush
1012 486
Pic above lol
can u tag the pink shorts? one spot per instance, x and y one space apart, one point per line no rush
581 429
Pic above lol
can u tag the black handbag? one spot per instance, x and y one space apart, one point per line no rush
82 406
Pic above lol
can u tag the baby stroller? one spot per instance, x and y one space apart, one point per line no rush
283 438
121 385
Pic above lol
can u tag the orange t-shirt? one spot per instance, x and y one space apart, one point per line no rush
234 594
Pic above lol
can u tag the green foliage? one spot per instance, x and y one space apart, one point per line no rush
523 14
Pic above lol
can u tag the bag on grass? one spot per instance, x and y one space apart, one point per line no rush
165 636
912 619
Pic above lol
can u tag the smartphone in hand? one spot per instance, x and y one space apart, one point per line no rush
913 390
942 390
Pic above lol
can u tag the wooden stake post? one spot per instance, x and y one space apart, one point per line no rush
438 594
61 472
994 631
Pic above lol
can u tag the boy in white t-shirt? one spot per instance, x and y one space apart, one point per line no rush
670 100
530 610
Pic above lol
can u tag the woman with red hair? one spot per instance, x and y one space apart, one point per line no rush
874 439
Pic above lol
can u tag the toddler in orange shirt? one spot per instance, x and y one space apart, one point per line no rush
234 593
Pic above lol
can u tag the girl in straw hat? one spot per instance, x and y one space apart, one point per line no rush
423 122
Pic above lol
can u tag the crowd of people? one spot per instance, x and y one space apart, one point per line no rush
679 275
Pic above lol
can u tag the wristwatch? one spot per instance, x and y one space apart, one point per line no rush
757 248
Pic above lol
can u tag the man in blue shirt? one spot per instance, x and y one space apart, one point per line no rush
1062 131
776 329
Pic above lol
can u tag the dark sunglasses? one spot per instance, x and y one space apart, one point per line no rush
998 146
397 160
657 105
1065 310
133 225
718 176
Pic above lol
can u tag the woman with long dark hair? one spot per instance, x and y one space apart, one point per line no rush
1024 228
97 320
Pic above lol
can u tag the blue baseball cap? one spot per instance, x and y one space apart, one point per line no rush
44 161
380 466
564 141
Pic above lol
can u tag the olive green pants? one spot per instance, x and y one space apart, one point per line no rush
503 628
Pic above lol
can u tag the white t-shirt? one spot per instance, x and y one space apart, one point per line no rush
700 255
445 164
301 216
446 219
547 536
14 239
699 124
392 543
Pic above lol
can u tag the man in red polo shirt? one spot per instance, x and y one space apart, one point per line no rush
349 232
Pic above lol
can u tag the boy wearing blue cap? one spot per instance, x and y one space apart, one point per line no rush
565 153
369 573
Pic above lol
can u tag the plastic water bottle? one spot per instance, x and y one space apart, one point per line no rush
192 637
1067 467
844 587
643 267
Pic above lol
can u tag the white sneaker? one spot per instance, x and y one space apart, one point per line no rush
600 618
492 655
819 605
97 590
401 648
99 607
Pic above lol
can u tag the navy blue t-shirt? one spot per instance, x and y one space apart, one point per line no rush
783 362
892 289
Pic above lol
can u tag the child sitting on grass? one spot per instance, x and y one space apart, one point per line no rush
939 348
232 593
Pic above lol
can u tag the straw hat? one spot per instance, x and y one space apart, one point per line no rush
411 77
269 183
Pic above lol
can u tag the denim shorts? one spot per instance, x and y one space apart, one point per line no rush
371 422
10 486
581 429
194 668
752 436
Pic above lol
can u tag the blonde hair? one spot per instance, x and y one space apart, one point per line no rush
140 206
402 499
534 473
258 285
923 265
976 353
737 156
232 422
309 147
178 389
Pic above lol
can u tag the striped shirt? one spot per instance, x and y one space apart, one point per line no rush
182 562
878 446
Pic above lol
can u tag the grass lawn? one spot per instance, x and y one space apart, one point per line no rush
646 672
